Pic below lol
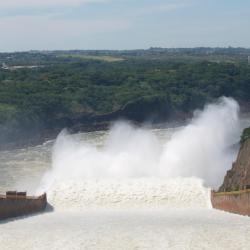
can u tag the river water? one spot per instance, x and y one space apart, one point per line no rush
129 188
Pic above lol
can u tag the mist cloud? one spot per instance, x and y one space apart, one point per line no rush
201 149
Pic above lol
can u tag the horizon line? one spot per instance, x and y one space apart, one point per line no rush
136 49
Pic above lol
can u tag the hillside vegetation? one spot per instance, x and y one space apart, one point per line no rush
78 89
245 135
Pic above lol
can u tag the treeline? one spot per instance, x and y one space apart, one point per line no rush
73 90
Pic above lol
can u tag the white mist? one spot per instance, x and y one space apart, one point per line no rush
201 149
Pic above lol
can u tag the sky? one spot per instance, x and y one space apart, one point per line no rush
122 24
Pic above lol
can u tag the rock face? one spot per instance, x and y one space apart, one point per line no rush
238 178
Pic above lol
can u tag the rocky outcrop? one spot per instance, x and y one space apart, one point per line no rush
238 178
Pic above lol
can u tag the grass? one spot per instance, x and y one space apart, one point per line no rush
99 58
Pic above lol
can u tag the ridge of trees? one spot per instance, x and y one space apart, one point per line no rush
63 90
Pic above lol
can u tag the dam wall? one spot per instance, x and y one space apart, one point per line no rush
14 206
237 202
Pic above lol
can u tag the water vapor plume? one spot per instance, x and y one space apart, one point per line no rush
201 149
204 147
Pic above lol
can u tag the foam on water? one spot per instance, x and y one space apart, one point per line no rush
130 193
156 229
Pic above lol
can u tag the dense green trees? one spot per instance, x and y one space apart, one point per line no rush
65 91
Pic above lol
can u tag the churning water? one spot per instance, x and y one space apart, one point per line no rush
130 188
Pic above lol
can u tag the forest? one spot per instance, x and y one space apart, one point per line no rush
44 92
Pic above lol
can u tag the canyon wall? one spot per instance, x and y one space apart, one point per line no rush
238 177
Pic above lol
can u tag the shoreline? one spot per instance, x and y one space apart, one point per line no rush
41 136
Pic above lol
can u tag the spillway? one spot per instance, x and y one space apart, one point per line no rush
130 188
142 214
129 193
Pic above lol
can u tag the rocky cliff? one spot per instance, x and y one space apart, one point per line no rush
238 177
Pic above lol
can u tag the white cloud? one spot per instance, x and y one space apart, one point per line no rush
44 3
25 33
43 25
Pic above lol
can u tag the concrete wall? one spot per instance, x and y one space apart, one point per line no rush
13 206
235 202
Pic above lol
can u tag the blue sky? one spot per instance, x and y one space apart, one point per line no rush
123 24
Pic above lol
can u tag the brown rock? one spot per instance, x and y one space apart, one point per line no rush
238 178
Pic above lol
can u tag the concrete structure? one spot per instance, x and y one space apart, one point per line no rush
15 204
237 202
